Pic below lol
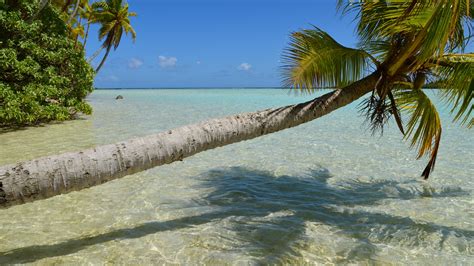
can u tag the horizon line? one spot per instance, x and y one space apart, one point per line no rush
189 87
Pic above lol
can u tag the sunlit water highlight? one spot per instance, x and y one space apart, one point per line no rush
324 192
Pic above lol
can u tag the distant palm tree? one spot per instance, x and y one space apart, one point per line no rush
403 44
87 12
114 18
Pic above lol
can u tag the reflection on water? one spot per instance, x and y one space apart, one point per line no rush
324 192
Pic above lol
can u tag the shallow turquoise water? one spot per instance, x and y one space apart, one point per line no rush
324 192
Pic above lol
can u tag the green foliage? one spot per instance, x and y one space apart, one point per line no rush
424 124
114 19
408 43
456 73
42 76
314 59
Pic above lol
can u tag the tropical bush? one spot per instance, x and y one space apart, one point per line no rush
43 76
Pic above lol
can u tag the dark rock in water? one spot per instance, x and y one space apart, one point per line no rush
119 97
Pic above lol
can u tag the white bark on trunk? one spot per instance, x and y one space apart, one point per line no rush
53 175
74 12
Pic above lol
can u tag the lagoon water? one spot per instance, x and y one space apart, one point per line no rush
327 192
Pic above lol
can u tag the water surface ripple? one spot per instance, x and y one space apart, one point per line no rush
326 192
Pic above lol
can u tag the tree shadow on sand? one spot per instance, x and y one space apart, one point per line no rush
270 213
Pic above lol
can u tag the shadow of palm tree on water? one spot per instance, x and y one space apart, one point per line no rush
270 215
311 199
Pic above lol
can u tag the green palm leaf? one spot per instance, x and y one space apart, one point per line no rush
423 126
314 59
407 43
417 29
114 18
455 74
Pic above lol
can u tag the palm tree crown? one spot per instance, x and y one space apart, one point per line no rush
114 18
407 44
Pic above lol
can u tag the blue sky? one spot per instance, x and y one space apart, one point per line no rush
213 43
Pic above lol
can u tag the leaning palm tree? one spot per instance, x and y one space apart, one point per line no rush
406 43
114 18
403 45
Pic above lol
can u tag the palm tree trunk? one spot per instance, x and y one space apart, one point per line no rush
42 5
95 54
66 5
53 175
85 36
77 36
74 12
103 59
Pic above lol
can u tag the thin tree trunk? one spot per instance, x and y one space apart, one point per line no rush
85 37
103 59
95 54
49 176
66 6
74 12
42 5
77 36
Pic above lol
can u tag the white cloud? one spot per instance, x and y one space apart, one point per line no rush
166 62
108 78
198 62
113 78
244 67
135 63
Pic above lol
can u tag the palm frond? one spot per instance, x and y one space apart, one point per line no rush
117 37
381 19
106 29
455 73
128 29
418 29
423 126
100 6
315 59
78 31
377 111
103 16
396 112
379 48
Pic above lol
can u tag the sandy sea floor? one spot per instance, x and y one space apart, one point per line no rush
325 192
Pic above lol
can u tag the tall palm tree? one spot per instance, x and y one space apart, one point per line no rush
87 12
114 18
403 45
